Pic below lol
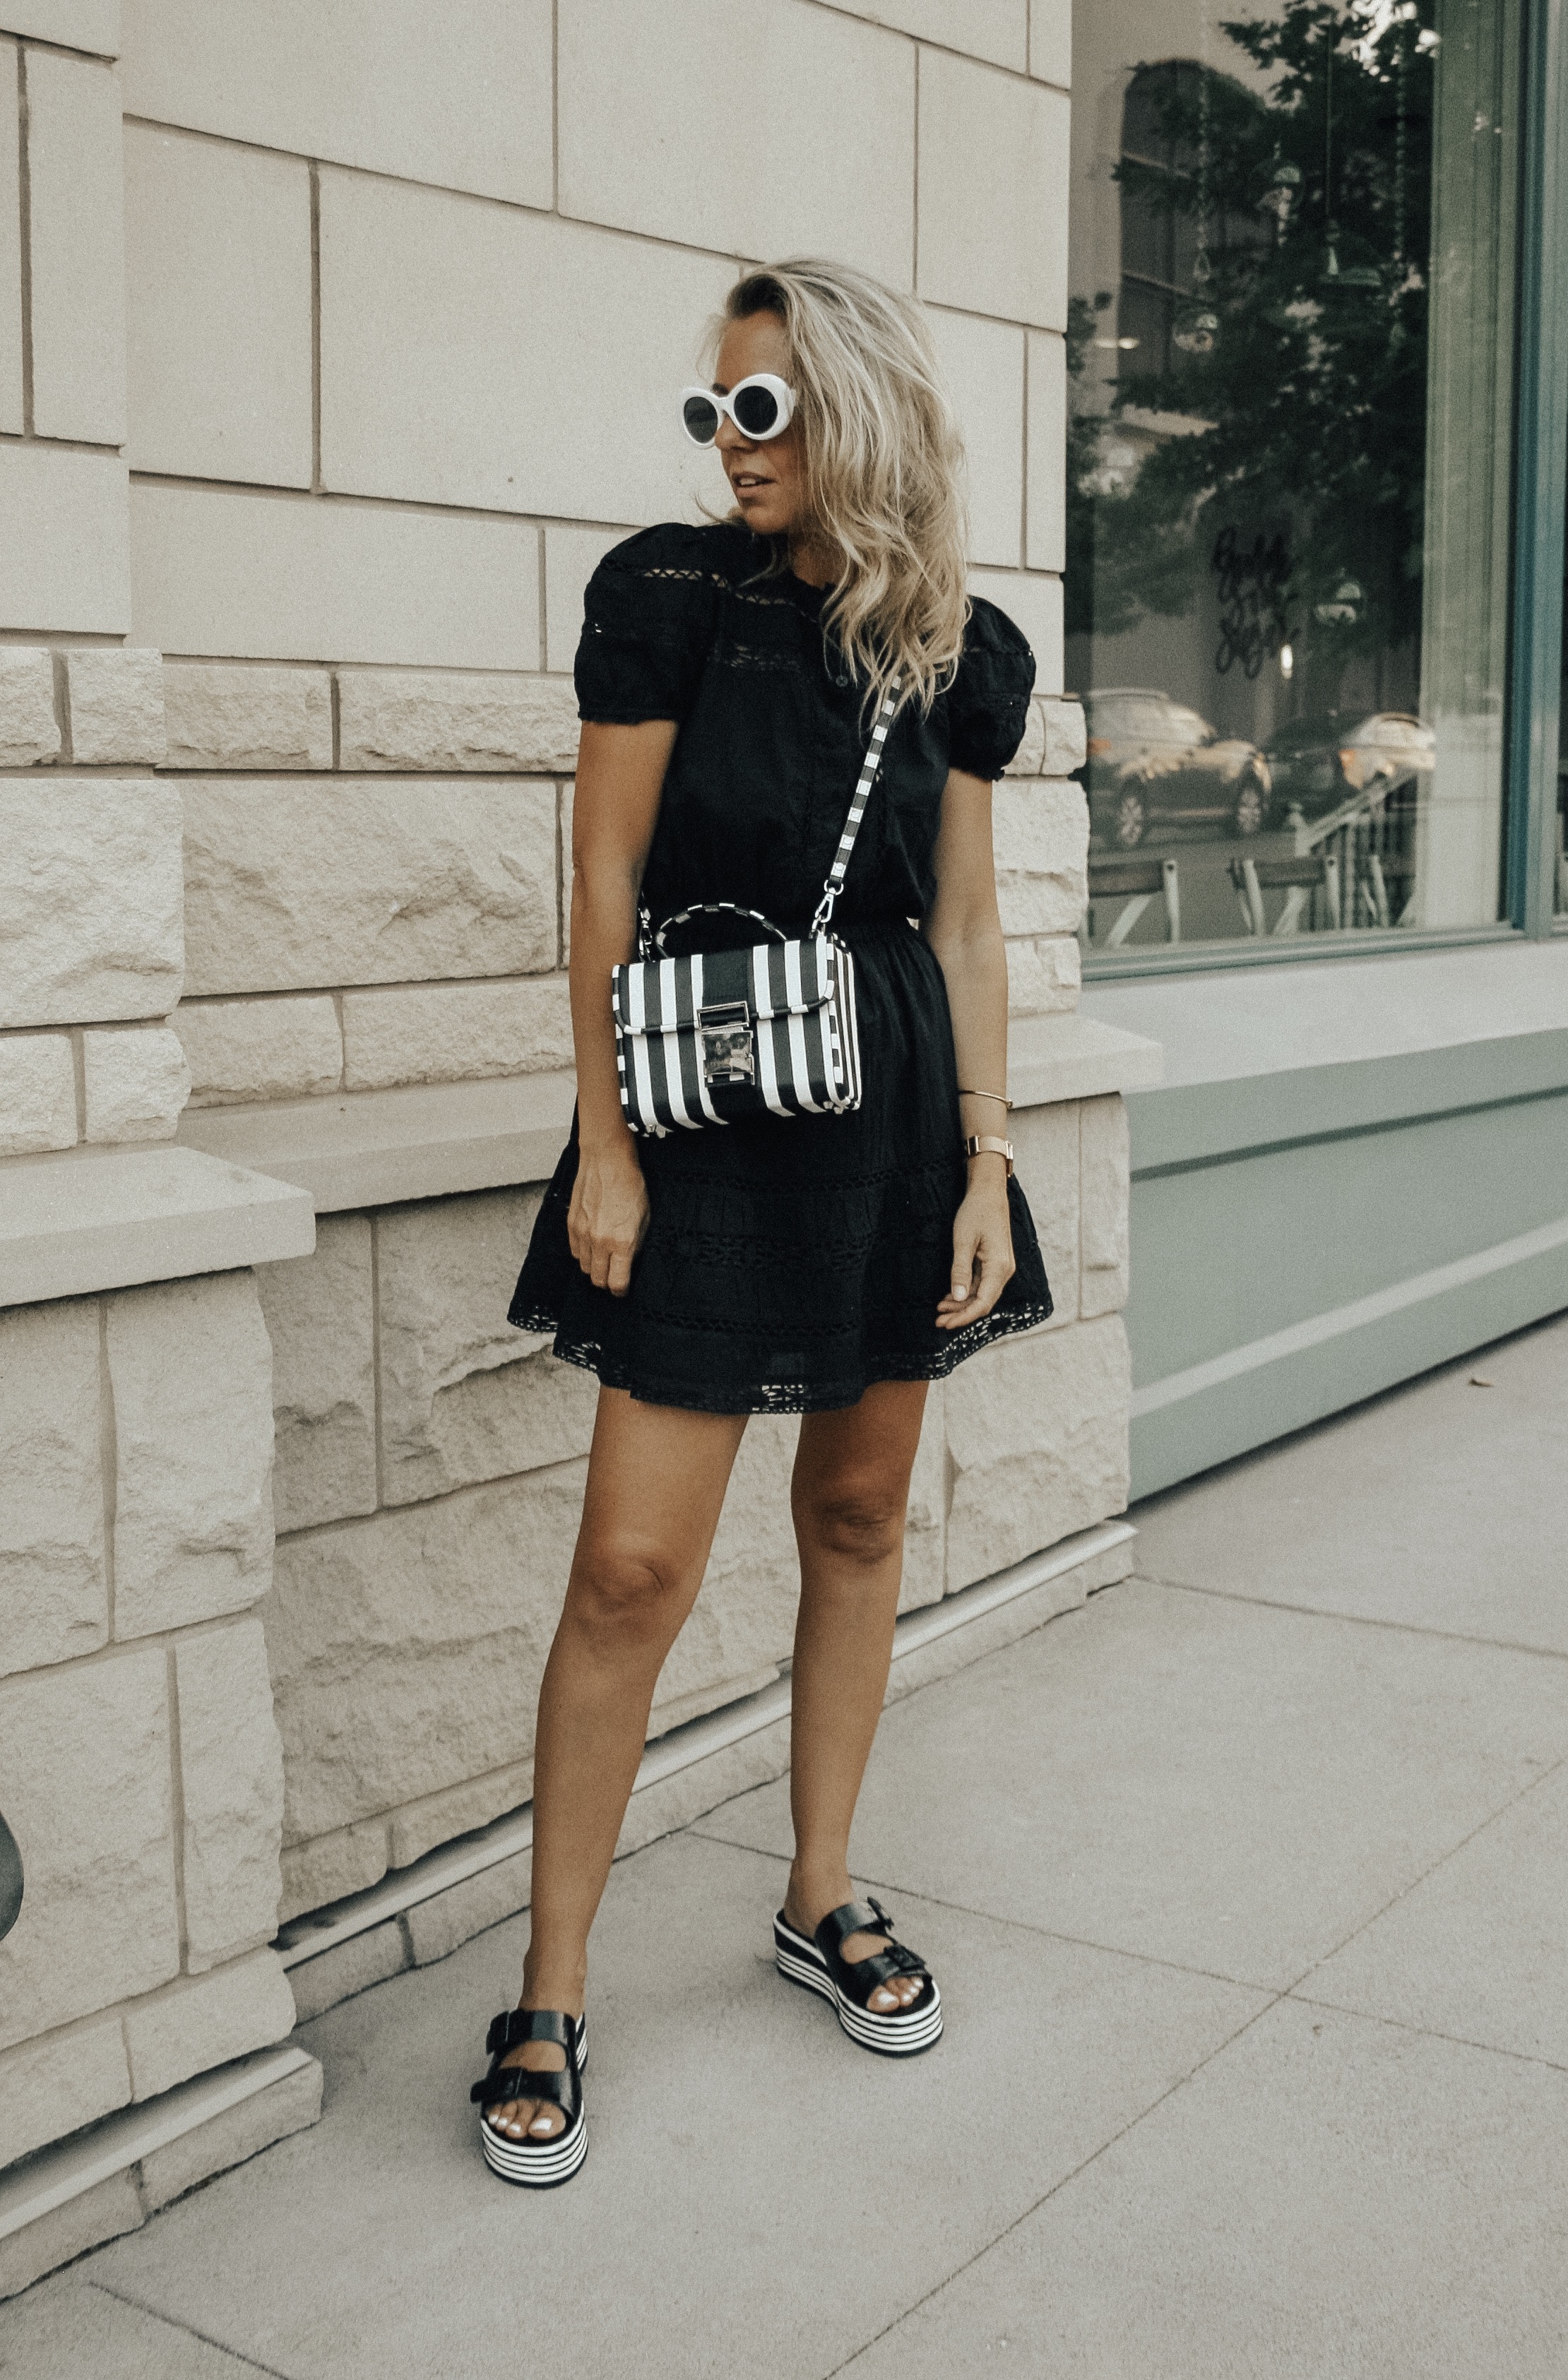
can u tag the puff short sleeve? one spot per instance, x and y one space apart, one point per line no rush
650 619
987 702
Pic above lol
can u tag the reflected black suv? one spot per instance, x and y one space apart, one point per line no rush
1153 763
1340 756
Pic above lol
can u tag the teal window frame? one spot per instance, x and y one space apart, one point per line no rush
1540 501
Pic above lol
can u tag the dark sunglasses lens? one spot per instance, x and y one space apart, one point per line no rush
757 411
701 418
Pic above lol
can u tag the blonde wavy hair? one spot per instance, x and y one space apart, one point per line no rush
884 468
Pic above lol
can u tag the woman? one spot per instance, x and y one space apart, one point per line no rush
827 1265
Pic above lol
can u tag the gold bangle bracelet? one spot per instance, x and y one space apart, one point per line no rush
999 1096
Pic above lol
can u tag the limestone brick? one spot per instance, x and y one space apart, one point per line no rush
431 720
1051 41
447 1033
1104 1194
89 900
229 716
1044 975
372 882
243 1049
91 25
29 729
319 1313
993 170
12 404
997 30
406 1649
461 366
1065 738
571 557
115 703
925 1535
352 1966
204 2020
281 578
1042 835
37 1093
1033 602
461 97
53 1590
52 2087
1045 1141
225 2140
191 1367
84 1783
76 176
218 273
101 2213
136 1082
1029 759
834 177
1036 1432
65 559
984 362
332 1867
1047 538
441 1817
464 1396
231 1792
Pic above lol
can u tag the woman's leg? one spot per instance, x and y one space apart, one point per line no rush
850 1489
656 1481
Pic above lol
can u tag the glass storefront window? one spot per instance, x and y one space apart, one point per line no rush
1290 356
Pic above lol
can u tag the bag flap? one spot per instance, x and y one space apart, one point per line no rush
773 980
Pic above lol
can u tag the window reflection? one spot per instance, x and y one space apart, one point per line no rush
1289 351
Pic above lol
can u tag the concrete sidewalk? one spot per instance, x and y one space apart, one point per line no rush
1247 1885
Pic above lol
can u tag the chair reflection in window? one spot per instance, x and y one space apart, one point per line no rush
1135 882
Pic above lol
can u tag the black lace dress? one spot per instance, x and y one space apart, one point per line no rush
789 1262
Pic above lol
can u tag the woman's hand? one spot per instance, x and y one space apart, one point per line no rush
982 1246
608 1217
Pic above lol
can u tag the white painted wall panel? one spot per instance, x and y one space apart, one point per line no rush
1047 535
985 366
92 25
296 578
760 127
1034 603
218 273
457 93
63 555
77 176
10 246
475 355
1051 41
996 29
994 192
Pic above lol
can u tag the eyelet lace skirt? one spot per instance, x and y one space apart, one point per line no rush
791 1263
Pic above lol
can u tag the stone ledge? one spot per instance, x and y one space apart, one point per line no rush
83 1221
153 2153
377 1148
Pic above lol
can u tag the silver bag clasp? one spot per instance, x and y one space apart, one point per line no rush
725 1039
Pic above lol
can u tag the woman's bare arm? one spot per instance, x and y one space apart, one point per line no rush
620 777
965 931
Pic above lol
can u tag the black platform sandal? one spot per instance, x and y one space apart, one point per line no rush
819 1966
537 2165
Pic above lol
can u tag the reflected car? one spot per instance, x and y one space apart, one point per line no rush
1152 762
1333 757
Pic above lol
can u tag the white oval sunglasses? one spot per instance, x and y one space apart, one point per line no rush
759 406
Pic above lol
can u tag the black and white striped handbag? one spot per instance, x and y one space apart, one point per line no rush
772 1030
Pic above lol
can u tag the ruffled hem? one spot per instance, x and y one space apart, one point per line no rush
795 1396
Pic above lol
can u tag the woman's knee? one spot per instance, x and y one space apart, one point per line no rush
624 1594
861 1521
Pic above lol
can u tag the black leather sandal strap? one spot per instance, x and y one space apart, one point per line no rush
851 1917
514 2025
509 2083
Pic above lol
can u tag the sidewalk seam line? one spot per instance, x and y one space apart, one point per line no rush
172 2322
1430 2033
1351 1619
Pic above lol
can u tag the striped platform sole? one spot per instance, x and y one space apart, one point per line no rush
538 2164
799 1961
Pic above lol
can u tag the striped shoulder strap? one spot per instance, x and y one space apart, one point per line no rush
834 884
